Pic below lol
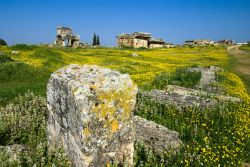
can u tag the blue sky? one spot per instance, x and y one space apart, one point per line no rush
35 21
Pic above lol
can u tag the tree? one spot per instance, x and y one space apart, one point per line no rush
2 42
97 41
94 40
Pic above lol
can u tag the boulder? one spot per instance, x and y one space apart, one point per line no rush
90 111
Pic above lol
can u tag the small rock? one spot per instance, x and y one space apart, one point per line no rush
134 55
15 52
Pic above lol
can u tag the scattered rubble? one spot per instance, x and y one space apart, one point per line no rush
202 96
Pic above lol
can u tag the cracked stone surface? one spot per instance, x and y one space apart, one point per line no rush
90 111
155 136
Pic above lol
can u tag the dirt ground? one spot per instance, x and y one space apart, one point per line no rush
240 63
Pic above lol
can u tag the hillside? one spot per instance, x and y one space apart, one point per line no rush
211 136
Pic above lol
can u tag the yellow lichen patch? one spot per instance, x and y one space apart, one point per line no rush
86 132
114 106
87 159
114 126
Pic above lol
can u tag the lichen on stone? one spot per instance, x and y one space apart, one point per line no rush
90 114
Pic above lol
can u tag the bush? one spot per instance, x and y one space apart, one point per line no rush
23 122
4 59
3 43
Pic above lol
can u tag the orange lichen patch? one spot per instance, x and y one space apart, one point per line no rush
114 126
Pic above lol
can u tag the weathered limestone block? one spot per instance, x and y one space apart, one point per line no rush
90 115
155 136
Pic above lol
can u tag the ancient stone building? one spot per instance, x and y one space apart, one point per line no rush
135 40
65 37
139 40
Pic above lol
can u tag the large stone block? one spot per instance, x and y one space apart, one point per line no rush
90 111
156 136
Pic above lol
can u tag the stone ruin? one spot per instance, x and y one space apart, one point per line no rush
199 42
65 37
90 116
206 94
140 40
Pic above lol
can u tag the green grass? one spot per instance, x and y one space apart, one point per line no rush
17 78
181 76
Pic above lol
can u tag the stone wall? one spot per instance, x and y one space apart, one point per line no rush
140 43
156 45
90 115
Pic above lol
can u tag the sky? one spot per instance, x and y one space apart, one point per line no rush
35 21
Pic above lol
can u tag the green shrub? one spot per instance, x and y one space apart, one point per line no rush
23 122
4 58
3 43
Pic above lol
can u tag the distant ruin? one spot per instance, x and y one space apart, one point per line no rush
140 40
226 42
66 38
199 42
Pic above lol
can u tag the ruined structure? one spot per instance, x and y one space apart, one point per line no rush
90 115
139 40
135 40
65 37
156 43
199 42
226 42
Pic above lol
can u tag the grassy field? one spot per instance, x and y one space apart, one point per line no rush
217 137
39 62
